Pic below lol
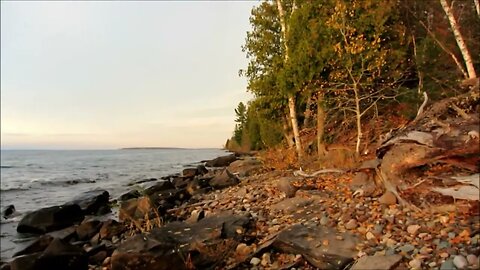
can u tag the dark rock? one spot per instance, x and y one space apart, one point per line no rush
309 242
161 186
88 229
285 185
111 228
377 262
223 180
172 196
142 181
91 201
196 184
66 234
25 262
5 266
61 255
292 205
98 258
204 242
132 194
189 172
8 211
37 245
201 170
245 167
181 182
222 161
50 219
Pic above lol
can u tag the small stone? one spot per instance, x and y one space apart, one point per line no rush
107 261
242 249
266 259
406 248
422 235
390 242
370 236
412 229
255 261
425 250
388 198
447 265
460 262
324 220
432 264
415 264
451 235
472 259
444 255
115 239
351 224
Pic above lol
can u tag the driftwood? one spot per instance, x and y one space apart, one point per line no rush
444 133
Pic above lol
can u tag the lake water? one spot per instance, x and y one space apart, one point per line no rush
32 179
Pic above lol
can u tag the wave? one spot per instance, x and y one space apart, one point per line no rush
7 189
6 167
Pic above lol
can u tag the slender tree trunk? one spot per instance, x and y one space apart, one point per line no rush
358 115
291 97
459 38
308 111
286 132
321 150
477 6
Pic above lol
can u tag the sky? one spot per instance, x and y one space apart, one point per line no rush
106 75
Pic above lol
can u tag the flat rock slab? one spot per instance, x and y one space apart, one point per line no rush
205 243
377 262
290 205
318 245
92 201
50 219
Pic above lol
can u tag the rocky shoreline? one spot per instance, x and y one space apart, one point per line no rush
232 213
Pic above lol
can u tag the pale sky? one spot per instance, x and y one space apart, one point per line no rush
101 75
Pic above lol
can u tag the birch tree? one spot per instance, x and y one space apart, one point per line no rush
459 39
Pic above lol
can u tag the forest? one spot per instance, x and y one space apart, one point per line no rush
340 74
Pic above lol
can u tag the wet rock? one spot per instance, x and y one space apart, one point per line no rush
222 161
168 245
66 234
318 245
37 245
88 229
388 198
92 201
223 180
460 262
98 258
161 186
25 262
50 219
377 262
132 194
8 211
285 185
181 182
195 185
189 172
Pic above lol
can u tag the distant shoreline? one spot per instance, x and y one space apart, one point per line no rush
164 148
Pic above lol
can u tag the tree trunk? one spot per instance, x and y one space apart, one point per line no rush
477 6
459 38
358 115
291 97
296 132
286 132
308 112
321 150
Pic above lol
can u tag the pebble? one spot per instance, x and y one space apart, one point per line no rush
266 259
415 264
460 262
412 229
324 220
388 198
370 236
447 265
425 250
432 264
255 261
472 259
351 224
242 249
406 248
107 261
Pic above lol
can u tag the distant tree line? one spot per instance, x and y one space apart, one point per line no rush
326 66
